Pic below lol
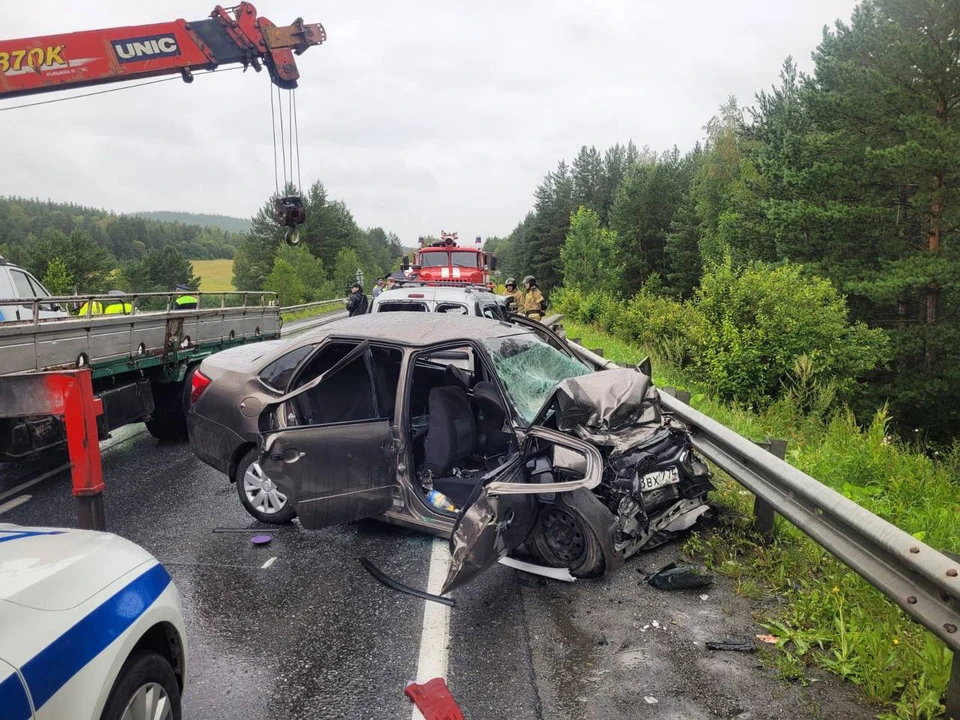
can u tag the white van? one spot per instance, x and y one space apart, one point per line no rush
15 283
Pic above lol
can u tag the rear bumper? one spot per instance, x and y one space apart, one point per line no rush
212 442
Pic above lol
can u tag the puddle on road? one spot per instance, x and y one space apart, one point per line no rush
574 661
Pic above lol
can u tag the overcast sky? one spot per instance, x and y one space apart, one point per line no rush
421 115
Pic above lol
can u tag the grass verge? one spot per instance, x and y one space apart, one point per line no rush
824 613
312 312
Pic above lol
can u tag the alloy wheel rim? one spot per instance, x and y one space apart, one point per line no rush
262 494
149 702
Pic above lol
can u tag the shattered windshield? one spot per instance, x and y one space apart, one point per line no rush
529 368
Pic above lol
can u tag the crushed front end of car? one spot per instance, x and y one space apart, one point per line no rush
654 484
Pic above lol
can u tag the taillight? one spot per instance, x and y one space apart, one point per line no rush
198 383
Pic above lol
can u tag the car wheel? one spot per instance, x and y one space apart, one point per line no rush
145 688
563 537
259 495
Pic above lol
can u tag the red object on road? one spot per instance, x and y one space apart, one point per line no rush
434 700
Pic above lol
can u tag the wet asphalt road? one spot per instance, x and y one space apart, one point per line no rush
314 636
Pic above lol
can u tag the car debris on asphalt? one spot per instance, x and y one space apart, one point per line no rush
680 577
434 700
385 579
742 644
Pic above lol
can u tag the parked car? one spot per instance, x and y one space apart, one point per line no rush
449 299
367 416
17 283
90 628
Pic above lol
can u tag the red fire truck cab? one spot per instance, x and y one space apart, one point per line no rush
447 262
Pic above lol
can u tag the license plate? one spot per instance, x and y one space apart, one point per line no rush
659 478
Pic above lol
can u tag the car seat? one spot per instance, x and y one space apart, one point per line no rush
451 439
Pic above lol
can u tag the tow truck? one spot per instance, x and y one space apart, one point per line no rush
445 261
142 359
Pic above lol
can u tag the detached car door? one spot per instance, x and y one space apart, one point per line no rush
336 459
503 507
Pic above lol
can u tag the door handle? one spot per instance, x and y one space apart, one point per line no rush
290 455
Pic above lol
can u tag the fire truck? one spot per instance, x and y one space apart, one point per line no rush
446 261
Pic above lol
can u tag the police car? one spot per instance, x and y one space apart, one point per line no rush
90 628
17 283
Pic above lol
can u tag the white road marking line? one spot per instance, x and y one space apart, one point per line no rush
268 563
16 502
24 486
436 622
66 466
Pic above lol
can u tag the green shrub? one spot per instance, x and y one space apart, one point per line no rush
752 326
659 323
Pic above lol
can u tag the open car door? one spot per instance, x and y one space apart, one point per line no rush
503 507
341 465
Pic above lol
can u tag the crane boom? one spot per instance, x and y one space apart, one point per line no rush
93 57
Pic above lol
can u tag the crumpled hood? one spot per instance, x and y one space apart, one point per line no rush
57 569
619 408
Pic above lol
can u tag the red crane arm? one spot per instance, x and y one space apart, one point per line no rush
93 57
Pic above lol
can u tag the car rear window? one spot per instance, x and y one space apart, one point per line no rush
277 374
402 307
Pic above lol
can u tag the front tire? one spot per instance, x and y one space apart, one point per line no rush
563 537
145 688
259 495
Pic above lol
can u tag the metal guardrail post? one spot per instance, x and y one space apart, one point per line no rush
597 351
68 394
764 516
953 690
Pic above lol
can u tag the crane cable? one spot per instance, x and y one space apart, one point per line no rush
289 142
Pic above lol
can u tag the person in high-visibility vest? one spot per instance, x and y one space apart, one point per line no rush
119 306
185 302
91 308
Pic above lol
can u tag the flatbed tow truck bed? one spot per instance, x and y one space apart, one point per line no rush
140 360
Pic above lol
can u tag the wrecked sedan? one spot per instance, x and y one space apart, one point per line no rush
372 416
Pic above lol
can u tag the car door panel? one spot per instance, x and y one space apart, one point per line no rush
333 474
501 512
335 471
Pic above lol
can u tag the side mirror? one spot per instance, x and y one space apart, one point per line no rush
493 263
405 264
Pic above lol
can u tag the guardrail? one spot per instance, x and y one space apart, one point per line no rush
922 581
310 306
92 306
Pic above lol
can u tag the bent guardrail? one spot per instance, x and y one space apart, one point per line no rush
922 581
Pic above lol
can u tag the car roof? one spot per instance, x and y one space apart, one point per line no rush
415 329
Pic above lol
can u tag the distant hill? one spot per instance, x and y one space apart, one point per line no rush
224 222
25 221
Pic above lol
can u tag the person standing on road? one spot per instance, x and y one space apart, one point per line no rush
357 302
515 295
378 288
534 303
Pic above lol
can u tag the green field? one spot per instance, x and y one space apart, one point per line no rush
214 274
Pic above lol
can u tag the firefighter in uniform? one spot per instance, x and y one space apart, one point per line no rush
515 295
533 301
